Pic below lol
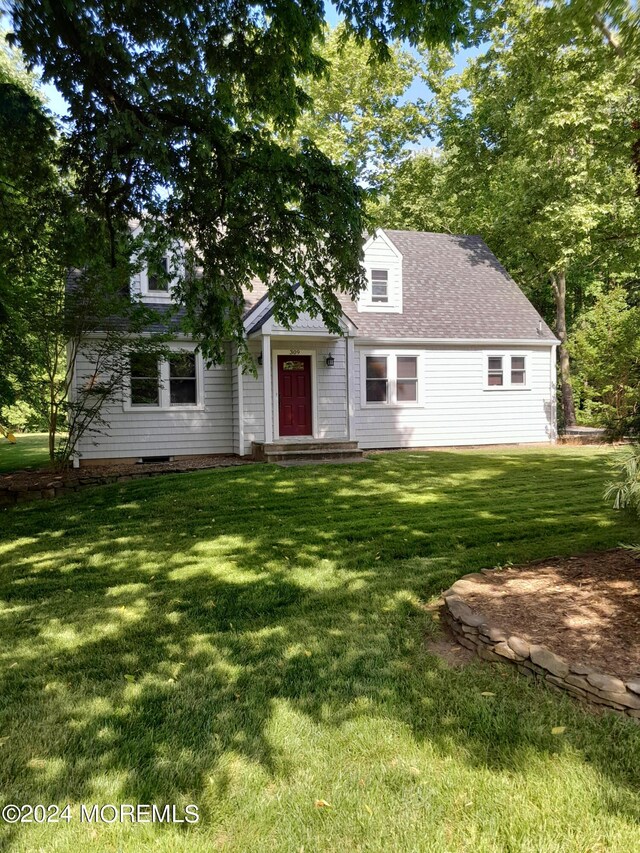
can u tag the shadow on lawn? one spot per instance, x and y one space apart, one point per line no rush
149 629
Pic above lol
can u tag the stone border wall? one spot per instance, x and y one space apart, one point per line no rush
46 486
491 643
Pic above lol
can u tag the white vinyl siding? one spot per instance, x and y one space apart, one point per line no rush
253 400
174 431
455 408
331 417
380 259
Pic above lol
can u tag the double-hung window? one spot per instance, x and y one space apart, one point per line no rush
145 380
158 277
380 286
183 386
507 371
391 380
174 382
377 379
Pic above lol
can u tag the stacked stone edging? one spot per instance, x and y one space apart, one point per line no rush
54 486
492 643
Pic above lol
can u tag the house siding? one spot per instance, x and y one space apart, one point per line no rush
455 408
331 417
379 255
154 432
253 400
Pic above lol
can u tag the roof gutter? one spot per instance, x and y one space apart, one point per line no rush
530 342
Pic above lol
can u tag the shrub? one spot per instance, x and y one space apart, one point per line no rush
625 490
21 417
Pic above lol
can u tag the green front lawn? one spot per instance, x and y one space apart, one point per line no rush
31 450
252 640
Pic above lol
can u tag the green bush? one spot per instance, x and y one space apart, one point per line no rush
21 417
605 349
625 490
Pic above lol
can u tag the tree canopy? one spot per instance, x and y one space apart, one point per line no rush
536 156
361 113
176 116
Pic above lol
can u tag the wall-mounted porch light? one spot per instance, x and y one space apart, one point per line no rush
260 359
330 360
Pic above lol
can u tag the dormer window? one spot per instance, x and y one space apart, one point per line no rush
158 281
383 271
380 286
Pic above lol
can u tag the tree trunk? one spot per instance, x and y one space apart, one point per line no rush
559 284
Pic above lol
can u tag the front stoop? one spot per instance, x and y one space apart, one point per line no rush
306 452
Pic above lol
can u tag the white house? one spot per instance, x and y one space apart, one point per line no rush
442 349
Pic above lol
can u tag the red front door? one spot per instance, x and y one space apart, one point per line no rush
294 393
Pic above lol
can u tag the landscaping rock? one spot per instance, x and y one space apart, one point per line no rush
488 654
463 613
560 682
634 685
580 668
606 682
495 634
626 699
609 704
505 651
546 659
466 643
520 647
579 681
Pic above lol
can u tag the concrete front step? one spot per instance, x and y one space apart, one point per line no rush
307 451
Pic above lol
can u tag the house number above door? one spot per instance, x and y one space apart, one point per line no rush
293 365
294 352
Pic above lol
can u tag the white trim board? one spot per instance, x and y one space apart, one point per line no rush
484 342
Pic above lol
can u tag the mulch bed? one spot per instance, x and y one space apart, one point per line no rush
584 608
43 478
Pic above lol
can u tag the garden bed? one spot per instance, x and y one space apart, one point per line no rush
575 621
22 486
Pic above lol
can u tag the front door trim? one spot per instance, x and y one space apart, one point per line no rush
293 350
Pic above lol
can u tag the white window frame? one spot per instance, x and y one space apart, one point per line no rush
164 389
378 300
392 378
160 296
381 254
506 356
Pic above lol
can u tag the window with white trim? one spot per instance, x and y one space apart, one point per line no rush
391 380
506 371
377 379
518 370
145 380
183 386
158 277
380 286
495 374
172 383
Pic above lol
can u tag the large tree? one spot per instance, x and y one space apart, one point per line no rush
176 115
44 232
362 114
537 137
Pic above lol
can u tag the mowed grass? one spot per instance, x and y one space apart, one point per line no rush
253 641
31 450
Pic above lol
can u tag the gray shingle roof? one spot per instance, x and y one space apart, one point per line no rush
453 287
